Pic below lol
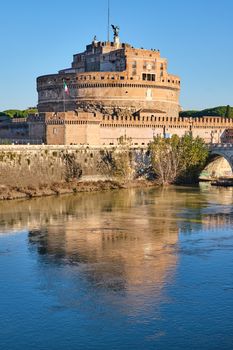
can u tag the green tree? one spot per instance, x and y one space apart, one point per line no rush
219 111
16 113
177 160
228 112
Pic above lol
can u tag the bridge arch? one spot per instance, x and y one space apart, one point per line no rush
218 153
220 163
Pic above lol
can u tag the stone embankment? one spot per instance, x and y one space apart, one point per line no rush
39 170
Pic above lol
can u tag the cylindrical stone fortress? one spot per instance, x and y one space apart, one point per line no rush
110 76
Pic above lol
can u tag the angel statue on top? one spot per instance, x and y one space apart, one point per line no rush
116 30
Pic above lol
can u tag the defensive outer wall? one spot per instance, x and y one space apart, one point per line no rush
94 129
81 128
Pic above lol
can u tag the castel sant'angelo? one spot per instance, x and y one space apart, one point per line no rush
114 90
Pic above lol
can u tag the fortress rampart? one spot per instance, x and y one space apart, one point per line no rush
96 129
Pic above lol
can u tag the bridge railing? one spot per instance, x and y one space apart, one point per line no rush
220 145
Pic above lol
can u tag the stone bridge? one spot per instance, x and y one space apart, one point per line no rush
224 150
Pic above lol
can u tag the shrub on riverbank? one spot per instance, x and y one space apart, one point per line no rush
116 164
177 160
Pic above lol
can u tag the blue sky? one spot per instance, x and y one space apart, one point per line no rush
40 37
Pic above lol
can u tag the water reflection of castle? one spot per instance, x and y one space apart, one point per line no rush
42 212
117 236
123 240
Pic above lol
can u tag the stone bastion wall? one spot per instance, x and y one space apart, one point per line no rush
39 165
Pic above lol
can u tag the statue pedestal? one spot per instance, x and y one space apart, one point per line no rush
116 41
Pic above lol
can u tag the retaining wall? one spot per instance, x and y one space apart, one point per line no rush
35 165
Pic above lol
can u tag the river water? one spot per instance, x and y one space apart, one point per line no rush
129 269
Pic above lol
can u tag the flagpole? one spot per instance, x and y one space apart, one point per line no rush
108 17
64 97
64 101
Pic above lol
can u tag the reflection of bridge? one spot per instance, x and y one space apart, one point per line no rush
224 150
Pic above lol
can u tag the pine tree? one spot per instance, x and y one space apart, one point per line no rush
228 112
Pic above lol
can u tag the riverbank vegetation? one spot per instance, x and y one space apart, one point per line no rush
177 160
166 161
117 163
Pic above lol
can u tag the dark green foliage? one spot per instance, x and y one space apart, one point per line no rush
5 141
220 111
178 160
228 112
16 113
194 156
